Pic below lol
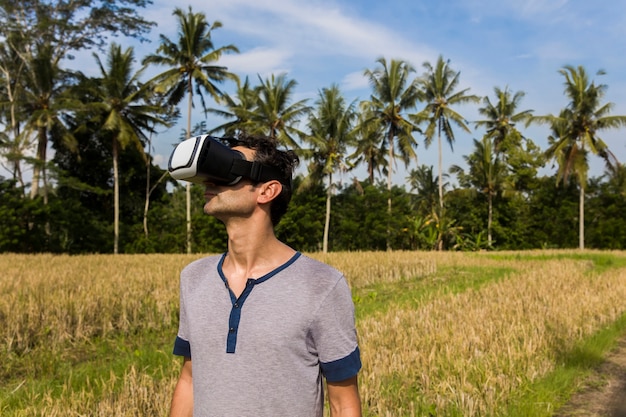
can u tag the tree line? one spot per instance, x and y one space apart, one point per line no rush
101 191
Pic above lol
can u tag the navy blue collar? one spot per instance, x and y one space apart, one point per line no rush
264 277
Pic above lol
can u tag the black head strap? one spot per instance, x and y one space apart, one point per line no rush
257 171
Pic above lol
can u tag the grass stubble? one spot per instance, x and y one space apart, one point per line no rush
91 335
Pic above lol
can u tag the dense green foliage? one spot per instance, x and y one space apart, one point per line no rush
78 219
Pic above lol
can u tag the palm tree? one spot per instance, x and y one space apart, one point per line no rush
239 109
13 145
122 105
274 114
576 132
487 174
44 83
331 134
369 149
438 90
191 61
425 185
393 93
501 119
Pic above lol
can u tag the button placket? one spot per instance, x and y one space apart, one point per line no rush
235 316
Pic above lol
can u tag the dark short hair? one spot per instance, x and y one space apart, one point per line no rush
267 152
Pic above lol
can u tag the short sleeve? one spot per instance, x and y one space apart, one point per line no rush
181 344
334 335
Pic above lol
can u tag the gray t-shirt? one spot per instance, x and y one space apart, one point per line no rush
264 354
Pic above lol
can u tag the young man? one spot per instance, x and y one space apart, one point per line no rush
262 325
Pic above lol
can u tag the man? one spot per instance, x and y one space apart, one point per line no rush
262 325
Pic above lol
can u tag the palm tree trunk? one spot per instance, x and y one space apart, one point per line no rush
581 218
489 219
146 205
40 164
39 171
116 199
188 209
440 167
440 174
389 174
327 220
188 185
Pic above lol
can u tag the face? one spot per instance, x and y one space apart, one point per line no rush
227 201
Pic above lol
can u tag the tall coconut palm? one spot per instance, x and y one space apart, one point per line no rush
487 174
44 83
331 127
192 68
369 149
123 107
439 93
393 94
501 118
274 113
576 131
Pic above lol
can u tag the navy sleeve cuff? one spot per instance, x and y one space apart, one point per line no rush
182 347
343 368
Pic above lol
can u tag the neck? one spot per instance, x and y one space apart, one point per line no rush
254 250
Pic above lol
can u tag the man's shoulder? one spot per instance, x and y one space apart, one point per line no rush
204 261
201 266
314 267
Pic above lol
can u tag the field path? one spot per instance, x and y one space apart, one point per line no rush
604 392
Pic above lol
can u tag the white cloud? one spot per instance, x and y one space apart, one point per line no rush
160 160
310 28
261 60
354 81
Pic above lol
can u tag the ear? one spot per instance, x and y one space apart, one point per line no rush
269 191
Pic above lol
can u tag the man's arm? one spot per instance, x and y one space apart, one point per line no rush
182 400
343 397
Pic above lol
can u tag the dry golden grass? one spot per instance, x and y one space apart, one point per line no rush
366 268
466 353
52 304
459 353
70 298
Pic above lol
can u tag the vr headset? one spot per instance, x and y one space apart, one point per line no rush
206 159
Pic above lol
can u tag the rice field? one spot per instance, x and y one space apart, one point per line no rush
445 334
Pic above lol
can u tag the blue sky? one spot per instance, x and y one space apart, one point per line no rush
519 44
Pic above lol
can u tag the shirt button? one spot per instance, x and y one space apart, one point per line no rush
236 305
231 330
